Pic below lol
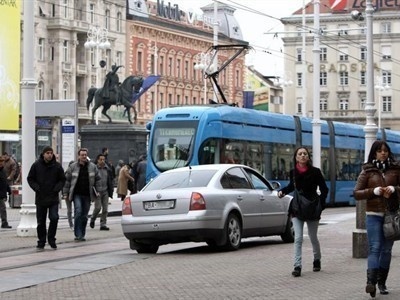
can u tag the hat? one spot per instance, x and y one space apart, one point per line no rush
47 148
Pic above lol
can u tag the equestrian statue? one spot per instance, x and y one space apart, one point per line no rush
115 93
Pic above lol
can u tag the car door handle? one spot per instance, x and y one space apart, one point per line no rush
240 198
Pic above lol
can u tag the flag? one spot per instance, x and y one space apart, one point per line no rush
147 83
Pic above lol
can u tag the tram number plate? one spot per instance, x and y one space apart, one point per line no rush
165 204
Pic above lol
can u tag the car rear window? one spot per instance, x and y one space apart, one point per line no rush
198 178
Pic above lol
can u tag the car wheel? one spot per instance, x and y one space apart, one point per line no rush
288 235
233 233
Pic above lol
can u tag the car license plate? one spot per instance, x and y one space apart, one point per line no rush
164 204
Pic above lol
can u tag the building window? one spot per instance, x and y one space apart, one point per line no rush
40 90
119 58
64 8
139 61
224 76
363 53
51 53
299 55
162 100
178 100
237 78
186 70
65 51
386 52
343 54
386 78
387 103
119 22
323 78
323 55
107 20
41 49
386 27
363 77
299 79
299 106
91 13
65 91
194 100
362 103
161 69
323 104
170 99
169 66
343 78
194 73
178 68
344 104
92 57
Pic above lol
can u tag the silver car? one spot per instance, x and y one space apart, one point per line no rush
216 204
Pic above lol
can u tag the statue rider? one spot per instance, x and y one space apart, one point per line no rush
112 84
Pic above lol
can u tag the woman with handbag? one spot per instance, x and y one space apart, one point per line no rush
305 180
378 183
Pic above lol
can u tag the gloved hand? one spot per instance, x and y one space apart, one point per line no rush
378 191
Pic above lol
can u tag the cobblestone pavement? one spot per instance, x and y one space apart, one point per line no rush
259 270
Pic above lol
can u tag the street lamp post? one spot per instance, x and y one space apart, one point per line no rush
97 39
203 63
360 249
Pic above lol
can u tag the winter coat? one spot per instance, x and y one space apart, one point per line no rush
108 186
123 178
370 178
141 171
4 187
72 175
308 183
47 180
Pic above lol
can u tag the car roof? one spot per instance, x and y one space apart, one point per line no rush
216 167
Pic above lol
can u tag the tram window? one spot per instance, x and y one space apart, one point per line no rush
348 164
282 161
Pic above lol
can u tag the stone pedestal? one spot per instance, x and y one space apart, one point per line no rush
360 242
124 141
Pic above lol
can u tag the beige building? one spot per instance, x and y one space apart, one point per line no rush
343 57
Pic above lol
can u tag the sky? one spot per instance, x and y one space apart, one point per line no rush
261 17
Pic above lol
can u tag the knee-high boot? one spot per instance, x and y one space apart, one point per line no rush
382 276
372 278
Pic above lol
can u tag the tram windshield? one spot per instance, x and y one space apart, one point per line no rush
173 144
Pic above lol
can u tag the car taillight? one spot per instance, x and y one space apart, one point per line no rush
197 202
126 206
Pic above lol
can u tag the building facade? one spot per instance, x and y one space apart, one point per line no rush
343 62
77 42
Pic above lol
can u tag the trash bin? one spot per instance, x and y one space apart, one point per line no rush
16 196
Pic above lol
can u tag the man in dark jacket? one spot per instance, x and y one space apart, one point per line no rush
46 177
4 189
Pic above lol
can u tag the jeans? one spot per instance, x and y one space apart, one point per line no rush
379 248
312 227
41 215
101 203
81 211
3 211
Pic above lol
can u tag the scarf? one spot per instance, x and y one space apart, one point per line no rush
300 169
381 165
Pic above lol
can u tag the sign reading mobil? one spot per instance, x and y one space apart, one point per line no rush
349 5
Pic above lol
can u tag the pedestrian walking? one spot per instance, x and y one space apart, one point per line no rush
378 183
141 173
10 168
68 203
46 177
307 179
82 183
123 178
105 191
4 190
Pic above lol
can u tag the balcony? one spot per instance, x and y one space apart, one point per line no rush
81 70
66 67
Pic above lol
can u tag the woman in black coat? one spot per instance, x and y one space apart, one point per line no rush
307 179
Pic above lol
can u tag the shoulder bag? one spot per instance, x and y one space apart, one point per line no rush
306 209
391 224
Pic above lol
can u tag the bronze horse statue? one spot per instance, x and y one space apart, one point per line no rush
131 84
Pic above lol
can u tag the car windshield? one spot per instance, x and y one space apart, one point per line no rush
190 178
